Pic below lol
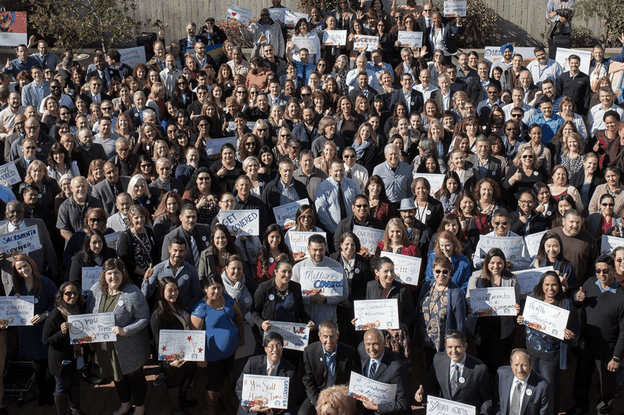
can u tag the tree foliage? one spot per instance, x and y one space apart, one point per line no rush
480 25
78 23
611 16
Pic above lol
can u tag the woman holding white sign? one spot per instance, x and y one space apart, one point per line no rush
64 358
303 33
551 355
171 314
493 334
27 281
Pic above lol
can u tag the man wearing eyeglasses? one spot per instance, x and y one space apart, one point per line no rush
271 60
517 98
56 91
33 131
485 107
266 32
424 22
361 216
353 170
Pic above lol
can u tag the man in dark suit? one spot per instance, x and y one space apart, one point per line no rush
459 377
363 88
95 92
407 95
197 236
477 87
190 40
108 190
408 63
274 193
326 363
519 390
271 364
123 159
381 365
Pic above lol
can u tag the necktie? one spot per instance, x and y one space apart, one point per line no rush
350 174
115 190
271 370
195 252
331 368
365 94
304 74
516 398
372 370
341 203
454 380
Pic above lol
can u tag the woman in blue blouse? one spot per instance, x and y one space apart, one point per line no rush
218 314
551 355
28 281
447 245
550 252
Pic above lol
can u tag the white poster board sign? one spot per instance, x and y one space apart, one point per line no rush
90 275
17 311
241 222
241 14
492 301
9 174
406 268
213 146
285 214
329 280
304 42
528 279
91 328
410 39
112 239
133 56
369 237
545 318
14 28
510 245
367 42
435 181
270 391
609 243
493 53
21 241
291 18
335 37
440 406
278 13
369 390
296 335
297 241
533 241
562 59
378 314
455 8
189 345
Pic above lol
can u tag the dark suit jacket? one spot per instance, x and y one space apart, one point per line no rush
315 375
271 195
476 390
257 365
391 371
103 97
157 188
264 305
182 42
201 233
361 276
474 90
357 91
103 192
493 165
416 100
537 402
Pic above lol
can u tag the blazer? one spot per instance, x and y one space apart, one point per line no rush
201 233
399 291
475 391
59 348
474 90
30 96
315 368
158 188
43 256
536 402
271 195
391 371
257 365
537 223
493 166
447 31
103 191
593 222
264 306
362 274
357 91
416 103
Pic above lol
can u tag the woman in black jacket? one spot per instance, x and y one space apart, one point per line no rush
136 247
64 359
94 253
586 180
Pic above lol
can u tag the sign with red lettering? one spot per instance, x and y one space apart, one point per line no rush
295 335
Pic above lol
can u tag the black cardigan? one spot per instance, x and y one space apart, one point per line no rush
264 303
78 262
59 348
361 276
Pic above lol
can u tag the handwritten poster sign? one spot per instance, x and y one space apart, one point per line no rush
532 242
22 241
545 318
609 243
13 28
329 280
241 222
90 275
270 391
91 328
285 214
492 301
304 42
563 54
296 336
378 314
440 406
213 146
133 56
435 181
291 18
367 42
365 389
189 345
528 279
297 241
278 13
241 14
411 39
455 8
17 311
9 173
335 37
510 245
406 268
369 237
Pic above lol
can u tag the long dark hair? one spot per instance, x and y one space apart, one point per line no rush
230 247
383 196
85 251
265 249
215 186
541 251
446 220
444 190
178 305
493 253
538 291
61 304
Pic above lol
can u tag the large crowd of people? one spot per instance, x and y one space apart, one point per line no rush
120 168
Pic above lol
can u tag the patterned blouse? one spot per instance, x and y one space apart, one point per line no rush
434 314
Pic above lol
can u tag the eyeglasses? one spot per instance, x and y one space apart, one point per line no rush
93 220
70 293
262 130
527 156
492 92
500 223
296 148
321 64
106 108
511 129
361 206
305 95
442 271
348 156
264 15
274 347
516 115
608 204
603 271
525 202
30 148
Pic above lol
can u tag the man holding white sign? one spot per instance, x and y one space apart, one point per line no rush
270 29
510 243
